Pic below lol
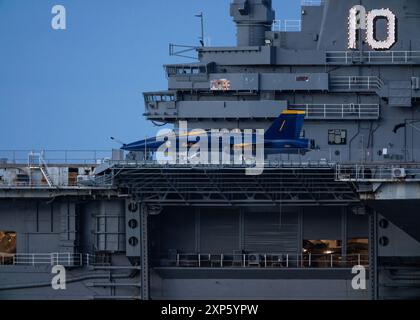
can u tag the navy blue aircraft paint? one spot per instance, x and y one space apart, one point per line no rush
284 136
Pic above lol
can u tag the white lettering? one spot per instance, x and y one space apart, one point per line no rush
359 281
58 22
359 19
371 29
216 147
59 281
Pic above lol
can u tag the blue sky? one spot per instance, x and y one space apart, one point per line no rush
74 89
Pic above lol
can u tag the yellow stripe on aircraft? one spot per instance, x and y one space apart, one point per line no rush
295 112
242 145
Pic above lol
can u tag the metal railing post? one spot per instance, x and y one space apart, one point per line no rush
359 260
332 261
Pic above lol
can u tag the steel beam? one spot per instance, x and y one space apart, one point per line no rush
145 268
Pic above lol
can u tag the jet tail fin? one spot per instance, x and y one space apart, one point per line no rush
287 126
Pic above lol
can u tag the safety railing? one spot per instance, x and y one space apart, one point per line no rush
32 259
287 25
374 57
339 111
259 260
355 83
286 157
378 172
312 3
52 259
13 178
79 157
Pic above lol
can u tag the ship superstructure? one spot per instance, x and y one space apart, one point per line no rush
130 227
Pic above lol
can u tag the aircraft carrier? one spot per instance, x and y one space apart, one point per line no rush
126 227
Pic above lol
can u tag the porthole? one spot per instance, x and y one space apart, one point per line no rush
133 241
133 207
384 241
133 224
384 223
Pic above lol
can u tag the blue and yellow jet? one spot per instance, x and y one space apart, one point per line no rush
284 136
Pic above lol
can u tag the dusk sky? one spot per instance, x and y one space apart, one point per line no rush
75 88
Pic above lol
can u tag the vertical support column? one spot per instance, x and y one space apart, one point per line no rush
197 214
373 255
68 227
344 234
241 230
300 231
145 272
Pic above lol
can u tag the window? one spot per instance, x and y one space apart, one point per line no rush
302 79
358 251
358 246
322 253
337 137
159 97
7 242
322 247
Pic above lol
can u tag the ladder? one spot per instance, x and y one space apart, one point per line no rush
36 161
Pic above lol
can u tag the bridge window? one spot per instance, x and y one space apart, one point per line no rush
185 70
159 97
7 243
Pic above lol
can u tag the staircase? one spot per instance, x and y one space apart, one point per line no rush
122 286
36 161
399 282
